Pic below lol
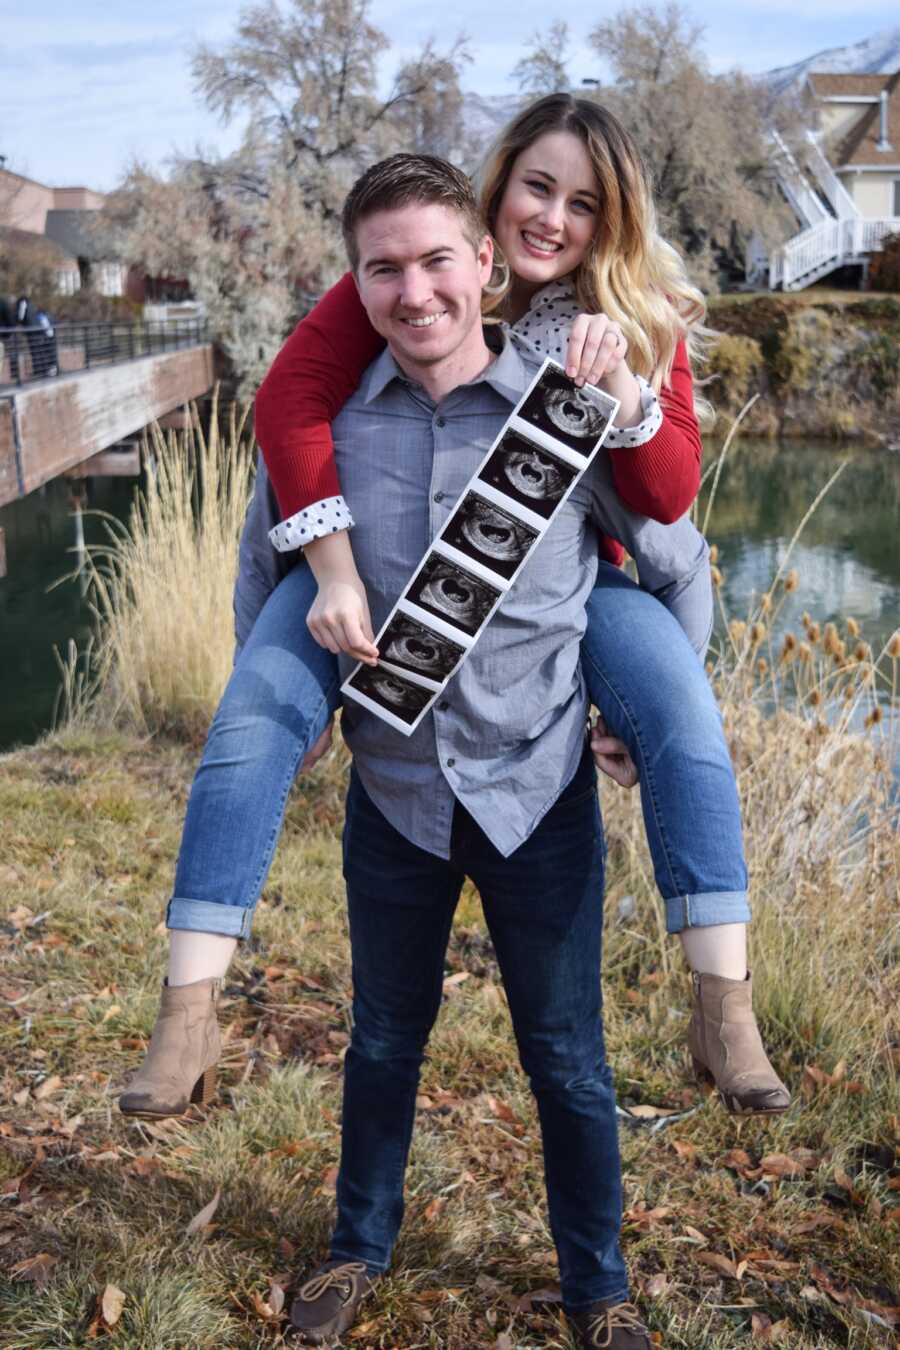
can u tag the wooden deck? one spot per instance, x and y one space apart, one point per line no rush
53 425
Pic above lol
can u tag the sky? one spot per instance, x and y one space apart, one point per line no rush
86 87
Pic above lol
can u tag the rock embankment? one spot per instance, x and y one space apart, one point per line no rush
825 367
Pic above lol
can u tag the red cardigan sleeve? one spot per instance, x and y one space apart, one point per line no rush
661 478
309 382
322 363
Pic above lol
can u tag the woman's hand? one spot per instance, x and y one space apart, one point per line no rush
321 747
339 616
339 620
597 348
611 755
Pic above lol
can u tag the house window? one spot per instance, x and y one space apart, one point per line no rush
896 197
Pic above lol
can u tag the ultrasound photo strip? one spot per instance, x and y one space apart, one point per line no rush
534 463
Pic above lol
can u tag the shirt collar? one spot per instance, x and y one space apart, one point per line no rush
555 290
508 374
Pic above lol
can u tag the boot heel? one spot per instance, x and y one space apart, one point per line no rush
701 1071
205 1087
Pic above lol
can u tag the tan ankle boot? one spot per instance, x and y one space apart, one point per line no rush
180 1065
726 1047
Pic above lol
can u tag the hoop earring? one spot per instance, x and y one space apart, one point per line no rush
498 287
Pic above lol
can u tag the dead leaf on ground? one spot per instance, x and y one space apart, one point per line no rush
433 1209
504 1341
201 1219
644 1111
818 1220
48 1087
644 1217
452 981
783 1165
717 1262
736 1158
365 1329
764 1329
684 1149
501 1110
112 1303
826 1283
657 1285
34 1269
265 1308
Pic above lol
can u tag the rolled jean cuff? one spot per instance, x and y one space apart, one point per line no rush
706 909
205 916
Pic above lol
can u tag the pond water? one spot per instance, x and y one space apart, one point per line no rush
848 558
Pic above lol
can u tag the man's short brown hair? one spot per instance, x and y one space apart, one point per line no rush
402 180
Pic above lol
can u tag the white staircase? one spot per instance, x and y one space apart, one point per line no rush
803 199
815 252
834 233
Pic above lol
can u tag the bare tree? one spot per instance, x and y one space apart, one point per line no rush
307 77
542 70
253 230
704 137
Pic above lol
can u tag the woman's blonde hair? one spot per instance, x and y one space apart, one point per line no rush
630 273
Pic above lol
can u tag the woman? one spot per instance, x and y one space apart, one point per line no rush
566 198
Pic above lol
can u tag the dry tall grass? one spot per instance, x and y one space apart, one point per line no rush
736 1232
161 588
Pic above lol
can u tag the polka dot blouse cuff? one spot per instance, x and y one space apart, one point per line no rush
624 437
313 522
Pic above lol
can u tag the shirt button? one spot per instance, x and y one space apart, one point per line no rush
443 705
439 496
440 421
450 763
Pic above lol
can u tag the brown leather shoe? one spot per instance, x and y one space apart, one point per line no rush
325 1306
726 1047
607 1325
180 1064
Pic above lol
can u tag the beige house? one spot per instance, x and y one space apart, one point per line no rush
59 218
845 186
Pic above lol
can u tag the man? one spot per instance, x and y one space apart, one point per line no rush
496 784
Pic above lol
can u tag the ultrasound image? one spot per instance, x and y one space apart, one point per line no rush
492 537
409 644
577 417
452 594
390 691
530 475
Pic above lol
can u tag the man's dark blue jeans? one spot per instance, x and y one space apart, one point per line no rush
544 908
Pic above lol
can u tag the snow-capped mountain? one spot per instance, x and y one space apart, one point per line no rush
485 114
875 55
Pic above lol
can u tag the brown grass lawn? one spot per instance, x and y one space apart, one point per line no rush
787 1231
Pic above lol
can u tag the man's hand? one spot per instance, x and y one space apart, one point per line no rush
597 348
611 755
321 747
339 620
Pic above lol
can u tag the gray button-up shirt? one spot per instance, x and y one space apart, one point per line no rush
506 736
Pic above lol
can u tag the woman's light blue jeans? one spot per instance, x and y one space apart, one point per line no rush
642 674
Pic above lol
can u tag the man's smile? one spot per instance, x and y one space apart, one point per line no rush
424 321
